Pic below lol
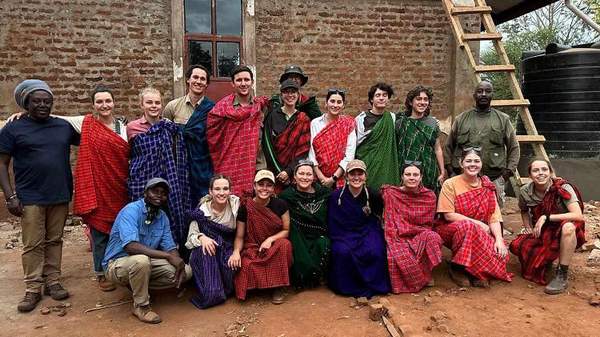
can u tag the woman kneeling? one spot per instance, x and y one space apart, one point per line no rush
308 229
555 208
358 261
413 248
261 250
210 238
472 227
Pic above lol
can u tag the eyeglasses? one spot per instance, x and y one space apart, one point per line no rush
413 163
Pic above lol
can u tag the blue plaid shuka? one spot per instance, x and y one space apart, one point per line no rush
161 152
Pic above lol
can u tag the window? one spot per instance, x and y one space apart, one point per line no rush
213 35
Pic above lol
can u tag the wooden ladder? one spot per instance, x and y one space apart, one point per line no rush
491 34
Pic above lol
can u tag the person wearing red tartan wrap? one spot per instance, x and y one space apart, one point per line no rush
333 140
233 130
413 248
471 225
285 136
101 175
261 251
555 209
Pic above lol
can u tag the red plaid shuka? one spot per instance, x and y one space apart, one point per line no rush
267 269
100 175
294 141
330 145
471 246
413 249
232 134
534 253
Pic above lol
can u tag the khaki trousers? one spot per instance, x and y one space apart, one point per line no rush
42 231
141 273
500 194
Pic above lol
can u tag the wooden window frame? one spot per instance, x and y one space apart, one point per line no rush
213 39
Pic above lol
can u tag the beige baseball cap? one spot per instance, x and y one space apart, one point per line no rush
264 174
356 164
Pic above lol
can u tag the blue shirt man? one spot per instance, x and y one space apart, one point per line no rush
130 226
141 252
39 147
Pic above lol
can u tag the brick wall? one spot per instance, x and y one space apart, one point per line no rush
77 43
354 43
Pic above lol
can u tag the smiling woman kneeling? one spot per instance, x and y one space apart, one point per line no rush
554 207
261 250
472 225
358 264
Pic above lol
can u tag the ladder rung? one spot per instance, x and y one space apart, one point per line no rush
482 36
471 10
494 68
531 138
497 103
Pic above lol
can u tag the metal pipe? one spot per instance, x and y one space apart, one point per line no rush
582 15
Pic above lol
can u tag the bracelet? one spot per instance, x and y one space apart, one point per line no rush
14 196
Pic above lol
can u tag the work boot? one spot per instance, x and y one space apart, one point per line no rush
29 302
105 285
278 296
145 314
56 291
558 284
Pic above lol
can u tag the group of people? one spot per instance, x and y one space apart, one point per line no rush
254 192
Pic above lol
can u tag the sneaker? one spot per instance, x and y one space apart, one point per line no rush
278 296
29 301
459 277
145 314
56 291
105 285
558 284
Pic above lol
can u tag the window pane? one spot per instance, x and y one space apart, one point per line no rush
197 16
200 52
228 56
229 17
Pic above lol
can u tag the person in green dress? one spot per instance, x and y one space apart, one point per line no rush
307 201
375 138
418 137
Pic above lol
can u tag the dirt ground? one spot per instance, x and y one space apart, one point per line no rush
519 308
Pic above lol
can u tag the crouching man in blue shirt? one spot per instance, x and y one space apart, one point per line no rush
141 252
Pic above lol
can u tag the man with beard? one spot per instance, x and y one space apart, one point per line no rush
490 130
141 253
39 146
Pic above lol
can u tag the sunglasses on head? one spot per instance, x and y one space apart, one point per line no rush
472 148
412 163
332 91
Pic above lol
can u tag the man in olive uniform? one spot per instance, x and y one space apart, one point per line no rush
489 129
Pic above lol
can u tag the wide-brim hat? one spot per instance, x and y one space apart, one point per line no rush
293 69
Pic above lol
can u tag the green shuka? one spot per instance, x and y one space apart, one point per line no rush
416 142
308 234
380 154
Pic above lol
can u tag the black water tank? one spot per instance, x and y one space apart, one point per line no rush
564 91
